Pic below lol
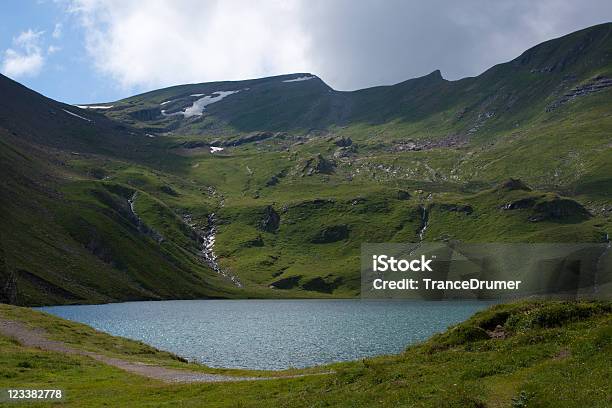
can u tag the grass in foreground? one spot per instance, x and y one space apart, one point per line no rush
555 354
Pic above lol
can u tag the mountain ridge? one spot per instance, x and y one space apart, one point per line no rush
605 27
265 105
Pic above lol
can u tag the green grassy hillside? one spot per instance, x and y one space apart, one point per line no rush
306 175
530 354
68 239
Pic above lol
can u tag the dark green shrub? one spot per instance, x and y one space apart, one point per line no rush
554 314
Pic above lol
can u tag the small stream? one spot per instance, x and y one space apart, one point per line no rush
208 236
424 223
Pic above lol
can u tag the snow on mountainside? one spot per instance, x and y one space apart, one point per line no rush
300 79
198 106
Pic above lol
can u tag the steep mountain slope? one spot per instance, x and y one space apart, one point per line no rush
67 235
268 187
31 117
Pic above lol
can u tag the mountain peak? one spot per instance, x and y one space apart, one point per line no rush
434 75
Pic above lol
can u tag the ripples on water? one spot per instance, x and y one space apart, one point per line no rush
273 334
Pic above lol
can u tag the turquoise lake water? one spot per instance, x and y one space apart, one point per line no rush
273 334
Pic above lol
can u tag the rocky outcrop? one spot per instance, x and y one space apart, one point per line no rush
449 141
403 195
318 165
272 181
146 114
520 204
275 179
343 142
597 84
250 138
169 190
513 184
345 152
270 220
547 208
498 333
458 208
559 209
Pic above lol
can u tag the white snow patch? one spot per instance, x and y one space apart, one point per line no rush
198 106
215 149
150 135
94 106
197 94
163 112
165 103
78 116
299 79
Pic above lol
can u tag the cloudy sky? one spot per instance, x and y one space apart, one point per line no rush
81 51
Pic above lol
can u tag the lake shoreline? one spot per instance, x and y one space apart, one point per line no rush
273 334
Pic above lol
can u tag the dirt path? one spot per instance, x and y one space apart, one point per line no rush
37 338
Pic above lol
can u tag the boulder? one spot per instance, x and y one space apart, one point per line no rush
272 181
169 190
343 142
513 184
318 165
343 152
520 204
403 195
271 220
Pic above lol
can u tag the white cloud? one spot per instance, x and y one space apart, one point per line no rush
57 31
26 58
28 39
166 43
350 44
370 42
52 49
